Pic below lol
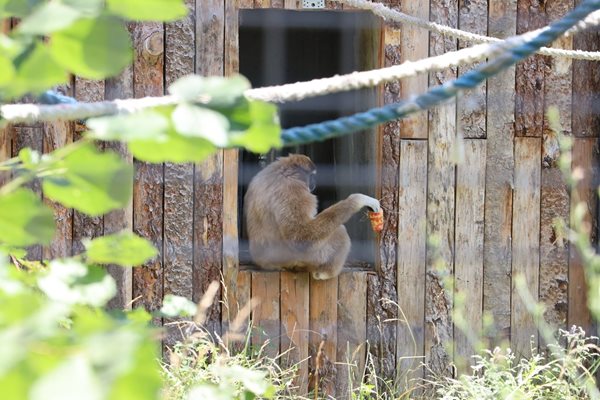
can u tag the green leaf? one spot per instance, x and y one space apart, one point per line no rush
172 148
92 182
264 132
73 379
123 248
71 282
89 8
24 219
177 306
36 71
193 121
7 71
148 10
143 125
18 8
217 92
93 48
47 18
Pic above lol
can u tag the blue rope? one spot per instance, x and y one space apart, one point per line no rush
517 51
51 97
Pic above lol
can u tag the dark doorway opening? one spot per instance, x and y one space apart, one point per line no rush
284 46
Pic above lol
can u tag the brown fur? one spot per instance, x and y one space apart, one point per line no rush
283 227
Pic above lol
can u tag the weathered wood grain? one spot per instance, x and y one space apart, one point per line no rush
586 85
85 226
148 188
208 176
412 242
440 202
179 178
351 332
526 244
381 330
529 106
6 138
294 324
471 105
57 135
412 48
554 252
468 264
585 162
497 251
266 323
323 321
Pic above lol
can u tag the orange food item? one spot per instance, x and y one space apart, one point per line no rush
376 218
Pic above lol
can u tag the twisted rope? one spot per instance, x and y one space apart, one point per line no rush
395 16
517 48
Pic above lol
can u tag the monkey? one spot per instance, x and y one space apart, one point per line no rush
284 230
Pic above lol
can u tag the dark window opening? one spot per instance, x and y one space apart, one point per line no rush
285 46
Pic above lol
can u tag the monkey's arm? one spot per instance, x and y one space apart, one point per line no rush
307 231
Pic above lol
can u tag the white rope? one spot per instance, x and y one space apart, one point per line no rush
395 16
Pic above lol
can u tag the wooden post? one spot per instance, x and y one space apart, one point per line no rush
412 244
440 203
497 251
526 247
468 269
266 316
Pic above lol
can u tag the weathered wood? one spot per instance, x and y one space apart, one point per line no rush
6 138
554 253
85 226
179 178
412 241
351 332
586 85
208 176
30 136
468 264
323 320
585 160
497 251
381 330
148 188
526 244
529 106
471 106
294 325
412 48
266 317
57 135
440 203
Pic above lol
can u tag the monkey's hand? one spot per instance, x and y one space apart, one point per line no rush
365 201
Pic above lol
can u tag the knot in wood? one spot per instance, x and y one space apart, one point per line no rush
154 45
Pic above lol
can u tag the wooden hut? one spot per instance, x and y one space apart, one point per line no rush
491 214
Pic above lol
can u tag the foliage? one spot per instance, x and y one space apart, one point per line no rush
560 374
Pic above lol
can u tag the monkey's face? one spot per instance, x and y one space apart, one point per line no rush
312 181
304 169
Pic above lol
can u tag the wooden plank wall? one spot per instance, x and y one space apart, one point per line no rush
492 214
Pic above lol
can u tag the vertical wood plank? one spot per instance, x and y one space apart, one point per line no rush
180 57
586 85
585 160
499 179
148 188
471 105
440 203
208 175
412 48
526 247
323 320
85 226
468 269
529 105
57 135
351 332
6 138
412 241
266 316
30 136
381 331
295 324
554 252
